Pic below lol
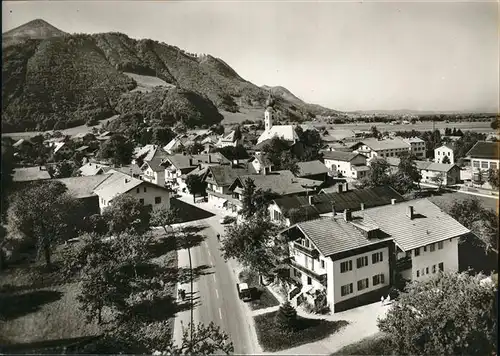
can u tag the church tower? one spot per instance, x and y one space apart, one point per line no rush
268 114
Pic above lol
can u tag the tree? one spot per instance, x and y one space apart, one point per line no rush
286 317
480 178
217 129
118 150
448 314
378 174
446 160
237 133
44 212
162 135
274 149
255 201
63 169
494 124
254 243
481 221
195 185
165 217
408 167
194 148
438 179
7 169
289 162
375 132
126 213
494 177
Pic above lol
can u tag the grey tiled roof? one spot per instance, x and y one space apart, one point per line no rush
28 174
311 168
280 182
340 155
484 149
225 175
83 187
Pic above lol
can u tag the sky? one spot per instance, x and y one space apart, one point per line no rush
436 56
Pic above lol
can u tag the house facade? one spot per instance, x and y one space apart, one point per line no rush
483 156
346 164
356 257
219 180
154 172
443 151
373 148
417 146
119 183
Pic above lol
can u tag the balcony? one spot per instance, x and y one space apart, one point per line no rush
403 263
311 252
321 278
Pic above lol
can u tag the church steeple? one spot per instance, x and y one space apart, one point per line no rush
268 114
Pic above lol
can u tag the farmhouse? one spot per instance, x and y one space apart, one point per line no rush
346 164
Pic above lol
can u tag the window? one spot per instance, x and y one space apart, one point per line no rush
432 247
141 201
439 153
425 248
297 273
475 164
426 270
137 190
363 284
418 274
144 189
377 257
433 268
157 200
362 262
493 165
309 281
417 252
408 254
322 264
448 154
440 245
306 243
378 279
484 164
441 266
346 266
345 290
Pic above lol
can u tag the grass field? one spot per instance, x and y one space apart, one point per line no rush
146 83
272 338
448 198
374 345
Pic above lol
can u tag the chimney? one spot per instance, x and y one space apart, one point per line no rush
362 206
310 200
409 212
209 158
126 180
333 210
393 201
347 215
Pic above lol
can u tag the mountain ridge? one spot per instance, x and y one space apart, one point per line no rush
64 79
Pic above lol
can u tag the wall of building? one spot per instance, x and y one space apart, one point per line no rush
356 274
427 259
484 164
449 178
345 167
441 152
146 192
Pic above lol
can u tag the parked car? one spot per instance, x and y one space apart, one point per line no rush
244 292
228 219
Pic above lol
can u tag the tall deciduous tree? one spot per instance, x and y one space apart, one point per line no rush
118 150
44 212
494 177
255 201
127 213
449 314
377 175
481 221
195 185
165 217
408 167
254 243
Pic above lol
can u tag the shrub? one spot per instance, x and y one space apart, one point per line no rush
286 317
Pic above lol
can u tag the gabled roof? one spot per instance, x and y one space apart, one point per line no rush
351 199
28 174
387 144
229 137
117 184
58 145
334 235
279 182
131 169
154 164
180 161
485 149
423 165
311 168
83 187
82 148
286 132
225 175
340 156
413 140
447 145
262 159
429 225
92 169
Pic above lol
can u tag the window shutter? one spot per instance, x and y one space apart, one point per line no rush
382 279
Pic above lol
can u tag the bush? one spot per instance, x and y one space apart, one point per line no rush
286 317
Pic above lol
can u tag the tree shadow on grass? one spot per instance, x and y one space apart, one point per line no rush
162 308
13 306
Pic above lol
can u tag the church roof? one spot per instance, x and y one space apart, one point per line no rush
286 132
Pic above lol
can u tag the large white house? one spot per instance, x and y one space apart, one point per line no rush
355 257
154 171
483 156
372 148
119 183
417 146
346 164
443 151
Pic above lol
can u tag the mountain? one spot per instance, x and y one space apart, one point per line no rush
55 79
35 29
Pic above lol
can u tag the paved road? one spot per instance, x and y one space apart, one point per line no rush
215 293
